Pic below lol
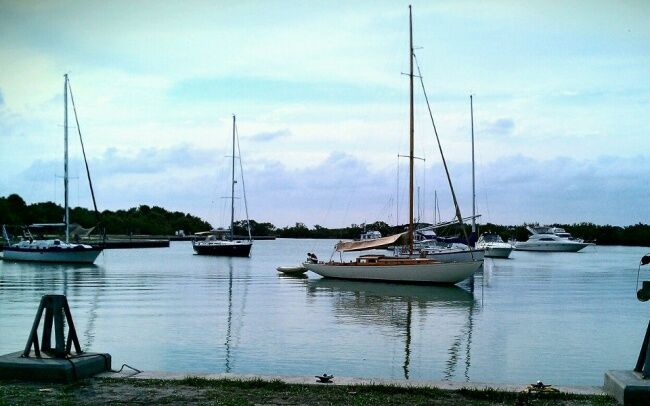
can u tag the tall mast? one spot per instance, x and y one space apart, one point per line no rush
65 157
232 192
411 131
471 108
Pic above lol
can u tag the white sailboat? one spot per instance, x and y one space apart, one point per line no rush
396 268
223 244
30 249
491 244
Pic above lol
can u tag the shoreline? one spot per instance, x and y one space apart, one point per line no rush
345 381
238 389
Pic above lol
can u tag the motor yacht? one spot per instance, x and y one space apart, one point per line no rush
550 239
494 246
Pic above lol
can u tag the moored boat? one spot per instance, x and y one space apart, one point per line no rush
546 239
55 250
220 242
406 267
494 246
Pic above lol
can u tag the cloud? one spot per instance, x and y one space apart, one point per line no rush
2 99
343 189
502 126
270 135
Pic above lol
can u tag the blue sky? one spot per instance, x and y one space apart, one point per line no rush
561 92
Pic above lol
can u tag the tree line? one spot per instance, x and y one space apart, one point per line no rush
158 221
137 220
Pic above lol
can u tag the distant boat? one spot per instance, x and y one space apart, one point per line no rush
370 235
396 268
494 246
224 243
550 239
55 250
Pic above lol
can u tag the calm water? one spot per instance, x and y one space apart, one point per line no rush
560 317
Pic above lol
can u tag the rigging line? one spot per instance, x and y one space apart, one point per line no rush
83 150
243 185
444 162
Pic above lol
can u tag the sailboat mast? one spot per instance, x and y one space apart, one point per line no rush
232 192
411 131
471 109
65 157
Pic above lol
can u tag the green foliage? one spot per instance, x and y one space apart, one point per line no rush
141 220
158 221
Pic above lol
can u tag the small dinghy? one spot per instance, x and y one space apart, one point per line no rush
292 270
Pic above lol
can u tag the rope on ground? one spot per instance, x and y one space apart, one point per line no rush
128 366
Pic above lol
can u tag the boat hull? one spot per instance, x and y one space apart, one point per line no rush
292 270
78 256
551 247
435 273
496 252
223 250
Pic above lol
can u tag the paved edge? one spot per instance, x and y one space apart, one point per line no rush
310 380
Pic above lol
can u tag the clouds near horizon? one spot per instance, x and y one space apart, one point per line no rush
560 96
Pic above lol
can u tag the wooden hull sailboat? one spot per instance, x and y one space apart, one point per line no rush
407 268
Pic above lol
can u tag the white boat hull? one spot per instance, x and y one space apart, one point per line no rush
64 256
292 270
443 273
495 252
568 246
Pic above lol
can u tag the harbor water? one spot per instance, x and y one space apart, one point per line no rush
563 318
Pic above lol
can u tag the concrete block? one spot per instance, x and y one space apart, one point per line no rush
627 387
45 369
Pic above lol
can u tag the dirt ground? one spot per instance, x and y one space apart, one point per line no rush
222 392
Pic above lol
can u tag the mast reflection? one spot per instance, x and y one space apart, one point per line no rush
393 305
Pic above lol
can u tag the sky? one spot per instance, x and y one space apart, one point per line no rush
561 92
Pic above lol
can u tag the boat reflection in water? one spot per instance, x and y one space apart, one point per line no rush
82 283
396 306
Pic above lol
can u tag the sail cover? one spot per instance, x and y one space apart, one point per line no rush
345 246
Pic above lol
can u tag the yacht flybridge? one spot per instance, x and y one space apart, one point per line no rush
397 268
55 250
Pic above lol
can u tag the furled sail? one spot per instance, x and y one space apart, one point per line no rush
346 246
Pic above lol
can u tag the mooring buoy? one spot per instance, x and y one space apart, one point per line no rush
41 361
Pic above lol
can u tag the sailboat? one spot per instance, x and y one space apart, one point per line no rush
225 244
408 268
490 243
55 250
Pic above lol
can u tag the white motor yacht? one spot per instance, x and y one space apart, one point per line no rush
494 246
546 239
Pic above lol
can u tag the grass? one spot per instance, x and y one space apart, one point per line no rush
193 390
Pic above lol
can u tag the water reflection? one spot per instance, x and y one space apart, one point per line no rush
392 305
24 283
233 330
